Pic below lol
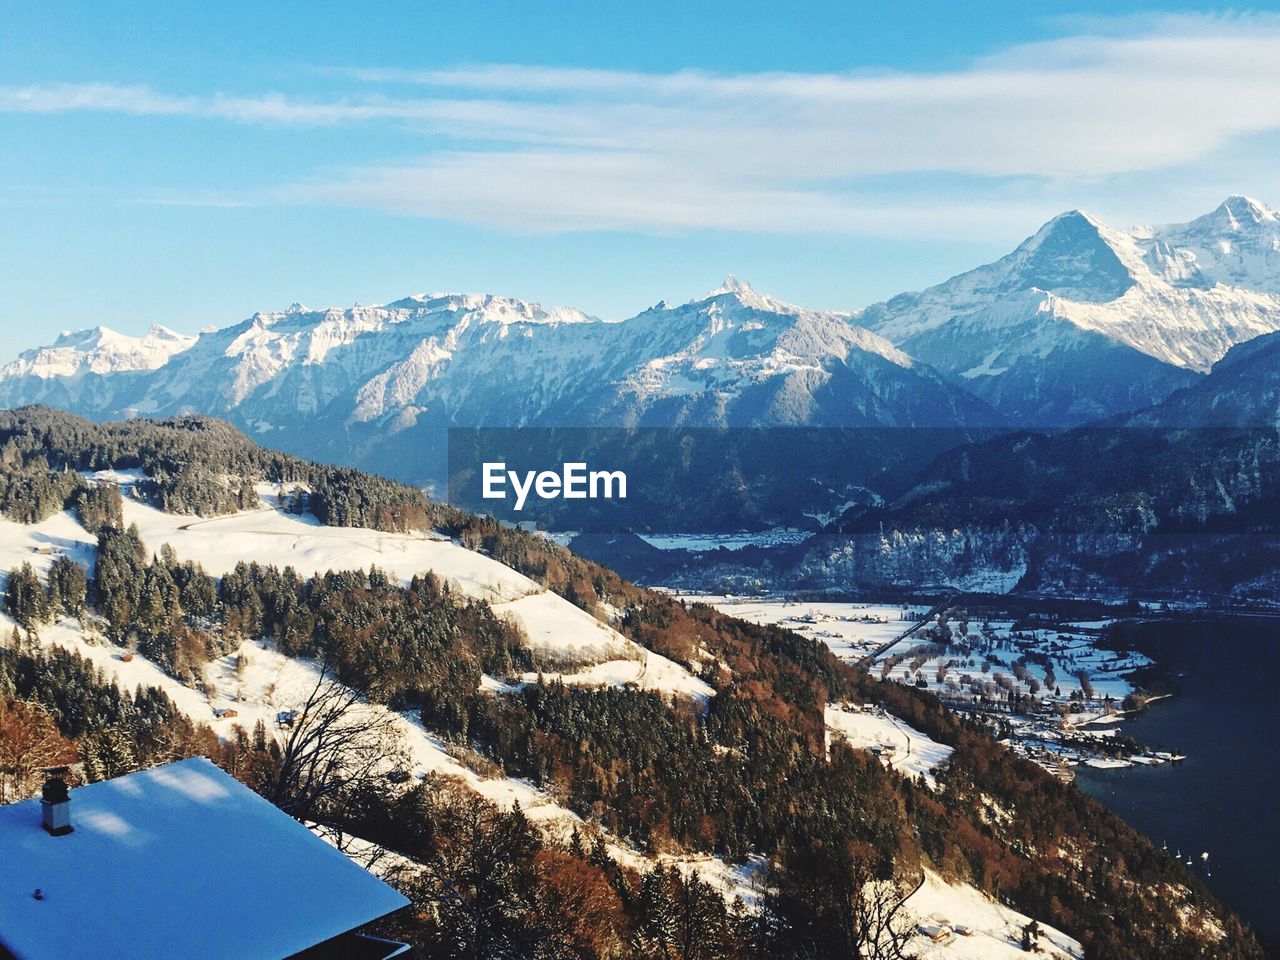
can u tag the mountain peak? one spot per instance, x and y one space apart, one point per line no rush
1235 215
1075 219
159 331
1239 210
731 284
1072 255
86 337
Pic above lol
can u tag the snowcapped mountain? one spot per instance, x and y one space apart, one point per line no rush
1082 321
1236 245
100 351
343 366
86 367
78 356
377 386
740 358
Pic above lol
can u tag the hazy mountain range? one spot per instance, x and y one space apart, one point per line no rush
1080 322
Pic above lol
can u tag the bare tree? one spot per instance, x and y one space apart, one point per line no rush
840 899
339 747
869 908
883 926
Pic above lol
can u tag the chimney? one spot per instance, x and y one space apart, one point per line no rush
55 804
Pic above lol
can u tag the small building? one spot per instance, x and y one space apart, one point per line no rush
937 932
178 861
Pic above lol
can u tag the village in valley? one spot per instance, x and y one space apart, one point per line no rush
1052 689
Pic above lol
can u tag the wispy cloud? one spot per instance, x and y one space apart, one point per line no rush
271 108
554 149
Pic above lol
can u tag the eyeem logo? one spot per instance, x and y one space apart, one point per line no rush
573 482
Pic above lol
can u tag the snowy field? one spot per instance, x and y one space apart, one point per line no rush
898 745
1070 653
854 630
778 536
40 543
850 630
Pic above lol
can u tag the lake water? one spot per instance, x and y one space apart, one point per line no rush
1225 796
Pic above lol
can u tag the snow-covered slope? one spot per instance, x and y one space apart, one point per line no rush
897 744
558 632
955 921
1083 321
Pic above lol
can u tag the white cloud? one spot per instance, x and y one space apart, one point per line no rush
556 191
553 149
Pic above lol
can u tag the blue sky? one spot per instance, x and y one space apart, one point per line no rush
161 163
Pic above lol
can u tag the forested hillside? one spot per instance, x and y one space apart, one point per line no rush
744 772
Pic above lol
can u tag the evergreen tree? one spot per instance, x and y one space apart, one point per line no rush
26 599
99 507
67 587
108 753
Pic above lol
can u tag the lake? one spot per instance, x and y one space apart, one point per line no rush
1224 797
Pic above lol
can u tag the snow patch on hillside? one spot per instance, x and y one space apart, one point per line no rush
956 920
898 745
646 671
39 544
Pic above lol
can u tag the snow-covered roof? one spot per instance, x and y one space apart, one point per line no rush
176 861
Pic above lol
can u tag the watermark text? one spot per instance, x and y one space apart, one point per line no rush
573 482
